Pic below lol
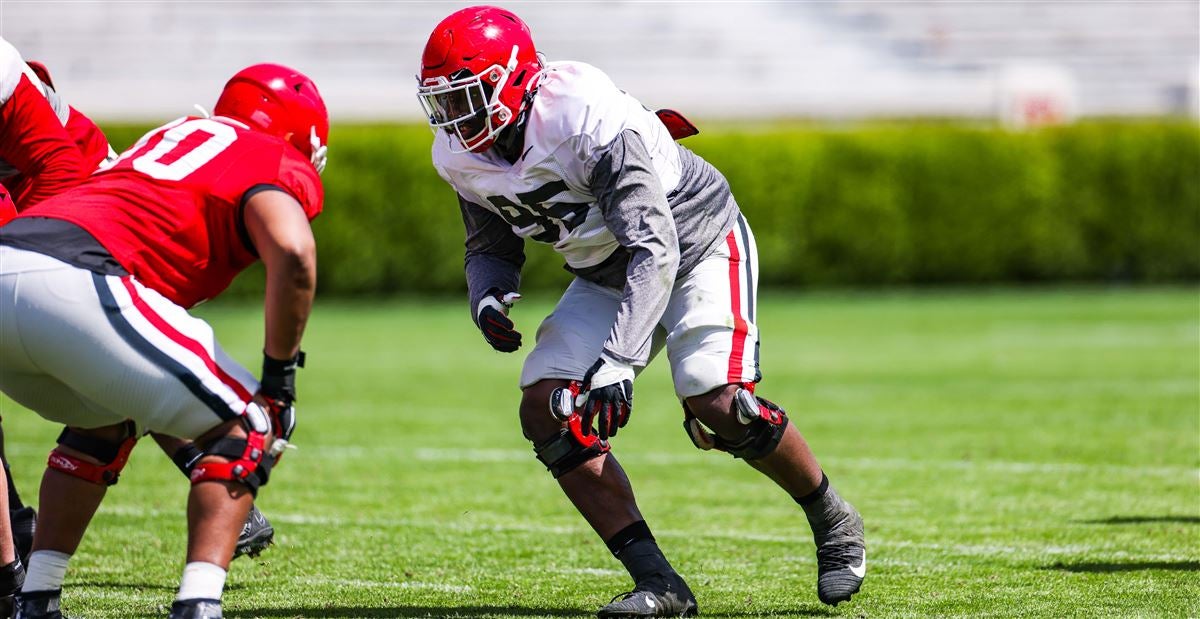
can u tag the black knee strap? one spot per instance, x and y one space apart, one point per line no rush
765 422
565 451
112 456
99 449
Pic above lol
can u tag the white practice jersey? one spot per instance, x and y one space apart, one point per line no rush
545 195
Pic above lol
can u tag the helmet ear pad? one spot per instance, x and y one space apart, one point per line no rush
279 101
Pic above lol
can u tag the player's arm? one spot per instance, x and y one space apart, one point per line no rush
34 141
635 210
493 260
280 232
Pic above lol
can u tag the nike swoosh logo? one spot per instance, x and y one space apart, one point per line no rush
860 570
650 602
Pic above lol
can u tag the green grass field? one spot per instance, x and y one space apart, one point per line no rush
1014 453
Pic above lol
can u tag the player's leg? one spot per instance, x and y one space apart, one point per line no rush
116 346
256 532
12 570
713 348
22 518
78 473
568 341
217 506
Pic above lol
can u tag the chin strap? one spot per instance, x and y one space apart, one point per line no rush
320 152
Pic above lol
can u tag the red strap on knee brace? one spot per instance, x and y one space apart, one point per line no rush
575 425
99 474
239 469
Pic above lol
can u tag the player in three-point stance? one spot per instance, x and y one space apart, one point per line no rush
662 255
256 533
95 334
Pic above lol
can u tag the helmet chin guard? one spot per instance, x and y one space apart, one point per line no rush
463 108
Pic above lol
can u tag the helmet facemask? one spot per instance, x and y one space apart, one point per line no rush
468 106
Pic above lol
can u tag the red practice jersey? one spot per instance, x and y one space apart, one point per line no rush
92 144
90 140
8 209
33 140
169 209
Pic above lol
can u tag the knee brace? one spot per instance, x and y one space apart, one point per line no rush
569 448
246 459
112 456
765 423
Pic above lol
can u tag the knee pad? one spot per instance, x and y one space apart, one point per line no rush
569 448
112 456
765 423
246 459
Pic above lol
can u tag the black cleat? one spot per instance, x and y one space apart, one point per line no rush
24 521
12 577
38 605
199 608
256 535
658 596
841 556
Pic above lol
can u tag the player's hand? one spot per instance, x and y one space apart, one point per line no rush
493 321
608 397
278 390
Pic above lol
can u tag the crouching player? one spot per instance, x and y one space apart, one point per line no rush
557 153
257 533
94 329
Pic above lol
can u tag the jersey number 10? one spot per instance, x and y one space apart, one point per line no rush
184 147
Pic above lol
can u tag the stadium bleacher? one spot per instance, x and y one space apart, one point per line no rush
820 59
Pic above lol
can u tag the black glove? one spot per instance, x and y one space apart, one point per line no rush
492 317
278 388
609 387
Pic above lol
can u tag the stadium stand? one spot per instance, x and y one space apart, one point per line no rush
819 59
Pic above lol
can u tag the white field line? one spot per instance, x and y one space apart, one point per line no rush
489 456
1027 550
405 584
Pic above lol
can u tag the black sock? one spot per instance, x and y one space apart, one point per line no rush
14 499
186 457
822 507
811 497
630 534
639 553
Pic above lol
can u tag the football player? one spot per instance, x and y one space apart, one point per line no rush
31 139
662 256
256 533
95 286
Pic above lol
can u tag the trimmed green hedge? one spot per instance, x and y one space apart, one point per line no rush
914 203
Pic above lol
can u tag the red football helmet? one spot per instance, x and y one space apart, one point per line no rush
475 71
280 101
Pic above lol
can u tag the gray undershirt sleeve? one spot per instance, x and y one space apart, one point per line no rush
635 209
494 254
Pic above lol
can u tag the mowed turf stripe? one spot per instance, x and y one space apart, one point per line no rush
492 456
